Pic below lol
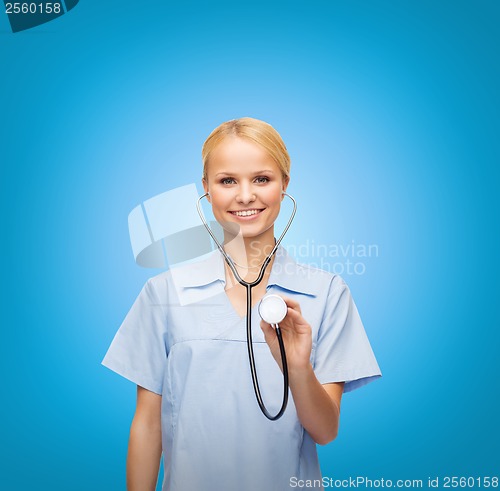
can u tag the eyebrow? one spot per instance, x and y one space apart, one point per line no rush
269 171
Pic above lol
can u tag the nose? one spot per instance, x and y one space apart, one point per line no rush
245 194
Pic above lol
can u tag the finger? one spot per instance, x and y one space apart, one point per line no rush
294 314
267 329
292 304
296 318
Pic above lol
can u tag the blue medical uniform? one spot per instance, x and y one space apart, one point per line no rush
183 339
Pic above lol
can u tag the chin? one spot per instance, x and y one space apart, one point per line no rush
248 232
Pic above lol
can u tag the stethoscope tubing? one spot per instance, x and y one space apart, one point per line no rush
248 286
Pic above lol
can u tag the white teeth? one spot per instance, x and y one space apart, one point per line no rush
245 213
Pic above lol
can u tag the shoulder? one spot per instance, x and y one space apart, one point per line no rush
317 280
188 279
158 285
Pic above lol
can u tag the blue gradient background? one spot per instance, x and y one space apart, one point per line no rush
390 111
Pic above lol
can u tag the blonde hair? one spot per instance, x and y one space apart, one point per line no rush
254 130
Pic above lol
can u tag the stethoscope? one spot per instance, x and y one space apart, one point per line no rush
272 309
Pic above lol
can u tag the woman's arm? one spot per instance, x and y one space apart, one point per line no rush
144 447
318 406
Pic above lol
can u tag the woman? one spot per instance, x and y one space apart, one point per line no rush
183 342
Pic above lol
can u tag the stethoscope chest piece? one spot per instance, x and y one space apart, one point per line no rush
272 309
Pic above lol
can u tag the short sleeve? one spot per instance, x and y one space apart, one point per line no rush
138 350
343 351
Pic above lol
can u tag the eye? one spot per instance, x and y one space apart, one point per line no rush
262 179
227 180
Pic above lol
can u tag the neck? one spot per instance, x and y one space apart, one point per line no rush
250 252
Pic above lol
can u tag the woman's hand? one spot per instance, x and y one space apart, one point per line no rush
297 338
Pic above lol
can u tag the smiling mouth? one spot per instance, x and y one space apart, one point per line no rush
247 213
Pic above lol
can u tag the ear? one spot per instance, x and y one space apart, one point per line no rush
286 181
204 182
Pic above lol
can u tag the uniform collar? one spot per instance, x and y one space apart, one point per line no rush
286 273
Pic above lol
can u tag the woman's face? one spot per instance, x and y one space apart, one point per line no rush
245 186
